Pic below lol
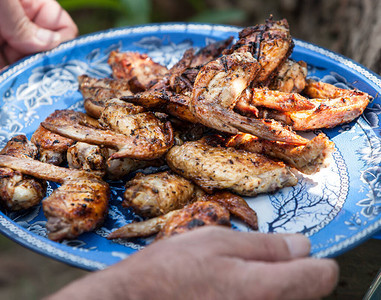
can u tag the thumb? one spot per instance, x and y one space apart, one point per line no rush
26 37
21 34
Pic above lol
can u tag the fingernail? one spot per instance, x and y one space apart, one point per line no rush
47 36
298 245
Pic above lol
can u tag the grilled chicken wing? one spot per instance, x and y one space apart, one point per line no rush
96 92
200 213
87 157
172 93
19 191
308 159
253 60
156 142
52 147
269 43
332 106
216 91
204 210
138 70
157 194
216 168
79 205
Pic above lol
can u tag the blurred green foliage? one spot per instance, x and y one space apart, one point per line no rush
94 15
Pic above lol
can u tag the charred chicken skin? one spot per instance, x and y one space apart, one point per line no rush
79 205
17 190
219 84
52 147
204 209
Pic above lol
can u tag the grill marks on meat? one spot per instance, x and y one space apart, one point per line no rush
79 205
17 190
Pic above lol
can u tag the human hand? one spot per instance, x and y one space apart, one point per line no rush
213 263
30 26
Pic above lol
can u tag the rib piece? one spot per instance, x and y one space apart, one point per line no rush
19 191
216 168
79 205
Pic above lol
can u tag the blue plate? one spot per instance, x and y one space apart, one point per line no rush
338 208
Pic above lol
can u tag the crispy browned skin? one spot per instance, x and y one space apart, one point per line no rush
96 92
269 43
52 147
142 229
235 204
172 93
149 139
79 205
137 69
193 215
216 91
308 159
291 77
19 191
157 194
251 99
216 168
87 157
332 106
200 213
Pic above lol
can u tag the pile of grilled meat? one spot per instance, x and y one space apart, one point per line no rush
224 120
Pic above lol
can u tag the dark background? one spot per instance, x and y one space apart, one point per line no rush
349 27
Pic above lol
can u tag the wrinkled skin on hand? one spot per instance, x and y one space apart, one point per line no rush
30 26
213 263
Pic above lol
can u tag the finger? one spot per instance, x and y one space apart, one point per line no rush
23 35
306 278
218 240
50 15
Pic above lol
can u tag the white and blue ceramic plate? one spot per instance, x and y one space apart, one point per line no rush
338 208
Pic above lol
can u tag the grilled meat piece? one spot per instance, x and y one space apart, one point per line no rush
147 141
308 159
137 69
291 77
332 106
157 194
79 205
217 168
52 147
17 190
200 213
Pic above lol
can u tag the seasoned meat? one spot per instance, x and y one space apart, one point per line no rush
17 190
79 205
216 168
